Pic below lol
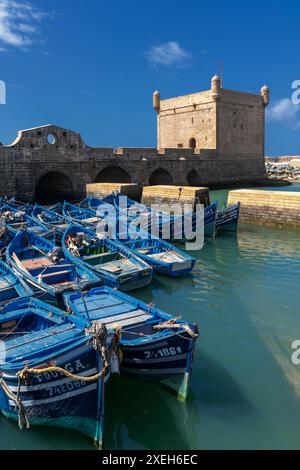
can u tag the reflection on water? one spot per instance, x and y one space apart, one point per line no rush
244 294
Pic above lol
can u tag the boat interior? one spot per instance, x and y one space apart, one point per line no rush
113 311
155 249
28 330
39 264
102 256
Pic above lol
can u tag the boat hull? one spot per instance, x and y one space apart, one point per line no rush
55 400
159 360
227 221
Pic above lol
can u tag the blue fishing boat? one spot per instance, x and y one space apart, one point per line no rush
53 368
99 207
114 264
170 224
153 343
5 238
163 257
17 205
45 268
227 220
79 215
12 287
16 219
51 219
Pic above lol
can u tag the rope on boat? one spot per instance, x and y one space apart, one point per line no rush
171 324
22 416
26 371
99 337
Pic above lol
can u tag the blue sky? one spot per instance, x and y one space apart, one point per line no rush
92 65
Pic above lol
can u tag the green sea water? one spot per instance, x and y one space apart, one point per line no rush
245 392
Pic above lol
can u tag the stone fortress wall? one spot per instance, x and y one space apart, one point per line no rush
53 161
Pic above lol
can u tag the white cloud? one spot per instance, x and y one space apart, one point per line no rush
169 53
19 23
285 112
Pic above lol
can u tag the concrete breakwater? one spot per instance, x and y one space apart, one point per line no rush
280 208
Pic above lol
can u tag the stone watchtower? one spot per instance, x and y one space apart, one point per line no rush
230 122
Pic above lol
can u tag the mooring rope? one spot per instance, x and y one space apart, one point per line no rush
22 416
171 324
99 337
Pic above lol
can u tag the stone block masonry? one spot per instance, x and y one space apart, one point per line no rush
131 190
281 208
32 168
163 194
211 138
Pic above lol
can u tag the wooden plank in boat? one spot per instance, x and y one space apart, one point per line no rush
111 268
55 273
91 220
135 316
37 263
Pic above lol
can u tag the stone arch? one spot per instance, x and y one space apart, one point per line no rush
113 174
160 176
193 178
192 143
54 186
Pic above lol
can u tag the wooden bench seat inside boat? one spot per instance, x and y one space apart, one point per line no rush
91 220
37 263
55 273
168 256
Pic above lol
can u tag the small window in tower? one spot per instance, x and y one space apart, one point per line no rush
179 146
241 127
192 120
192 143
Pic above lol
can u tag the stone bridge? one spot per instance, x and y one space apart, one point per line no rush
50 163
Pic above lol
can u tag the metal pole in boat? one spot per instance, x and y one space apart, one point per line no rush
82 297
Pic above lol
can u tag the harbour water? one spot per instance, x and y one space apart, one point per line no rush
245 392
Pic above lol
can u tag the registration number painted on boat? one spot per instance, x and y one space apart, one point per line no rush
165 352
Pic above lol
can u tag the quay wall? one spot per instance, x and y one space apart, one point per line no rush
280 208
51 160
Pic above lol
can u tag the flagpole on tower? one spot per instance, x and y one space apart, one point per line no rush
221 74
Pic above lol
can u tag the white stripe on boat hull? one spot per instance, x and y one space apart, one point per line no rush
65 396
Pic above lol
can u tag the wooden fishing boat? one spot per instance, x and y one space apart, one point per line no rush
16 219
99 207
51 219
45 268
5 239
154 344
17 205
12 287
163 257
166 223
114 264
50 372
227 220
79 215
